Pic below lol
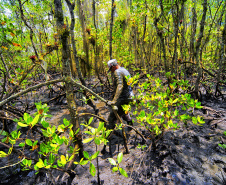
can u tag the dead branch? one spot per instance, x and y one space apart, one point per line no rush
187 62
212 110
141 135
86 89
28 90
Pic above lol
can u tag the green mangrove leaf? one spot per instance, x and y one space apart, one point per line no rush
63 160
120 157
35 120
66 122
101 125
123 172
3 154
97 141
22 124
90 120
40 163
87 140
21 144
92 169
83 162
95 155
115 169
112 161
28 142
88 132
86 154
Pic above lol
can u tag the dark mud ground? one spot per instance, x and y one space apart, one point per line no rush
190 155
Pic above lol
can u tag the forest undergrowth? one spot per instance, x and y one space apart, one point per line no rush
185 152
54 87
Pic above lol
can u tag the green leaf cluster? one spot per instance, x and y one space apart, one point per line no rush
50 139
162 107
116 164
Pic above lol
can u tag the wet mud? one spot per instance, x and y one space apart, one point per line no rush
190 155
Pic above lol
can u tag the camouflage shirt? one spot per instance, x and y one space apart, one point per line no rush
122 90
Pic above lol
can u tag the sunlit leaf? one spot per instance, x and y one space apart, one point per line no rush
114 169
63 160
194 120
95 155
60 128
90 120
45 124
87 140
21 144
97 141
3 154
77 131
101 125
112 161
120 157
35 120
83 162
40 163
28 142
88 132
66 122
86 154
92 169
123 172
71 158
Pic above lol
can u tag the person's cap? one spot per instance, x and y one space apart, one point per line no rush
112 62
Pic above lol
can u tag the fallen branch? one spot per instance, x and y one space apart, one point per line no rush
86 89
136 132
220 120
187 62
29 89
6 118
210 109
20 81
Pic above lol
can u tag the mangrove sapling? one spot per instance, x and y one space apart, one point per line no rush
223 145
37 154
159 108
99 136
40 147
116 164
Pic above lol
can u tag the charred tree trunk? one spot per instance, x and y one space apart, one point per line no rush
160 35
193 33
64 35
222 62
71 8
87 65
111 27
142 43
176 25
197 50
94 43
182 31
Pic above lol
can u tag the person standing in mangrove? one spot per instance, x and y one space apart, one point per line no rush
123 93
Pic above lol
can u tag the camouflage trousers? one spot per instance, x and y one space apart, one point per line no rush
112 118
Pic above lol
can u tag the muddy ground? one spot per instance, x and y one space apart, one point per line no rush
190 155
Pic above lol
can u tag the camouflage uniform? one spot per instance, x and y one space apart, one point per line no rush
123 95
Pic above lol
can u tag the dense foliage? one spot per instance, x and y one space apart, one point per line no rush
177 46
